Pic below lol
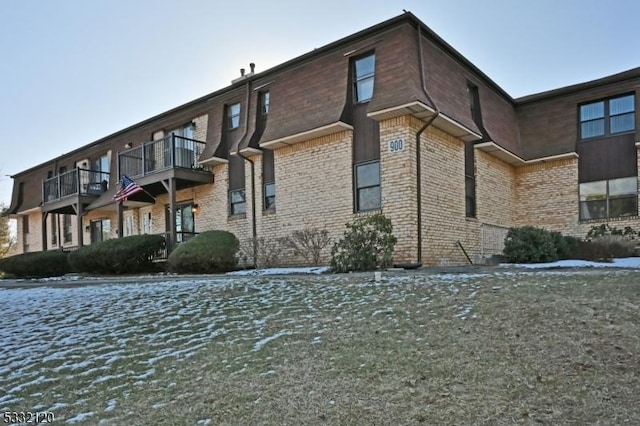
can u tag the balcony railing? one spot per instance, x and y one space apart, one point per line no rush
163 154
75 182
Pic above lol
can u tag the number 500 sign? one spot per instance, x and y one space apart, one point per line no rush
396 145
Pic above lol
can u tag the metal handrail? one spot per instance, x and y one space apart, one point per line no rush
162 154
77 181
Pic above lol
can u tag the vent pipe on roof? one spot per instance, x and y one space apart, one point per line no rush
253 67
241 72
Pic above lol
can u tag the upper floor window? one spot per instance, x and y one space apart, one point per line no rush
607 117
184 131
364 71
233 116
265 103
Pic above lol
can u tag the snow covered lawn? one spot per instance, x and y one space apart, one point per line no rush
549 346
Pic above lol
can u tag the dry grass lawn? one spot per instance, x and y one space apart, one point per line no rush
496 348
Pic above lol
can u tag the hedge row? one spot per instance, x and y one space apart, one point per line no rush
36 265
528 244
208 252
132 254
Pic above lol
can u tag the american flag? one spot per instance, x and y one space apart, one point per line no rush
127 188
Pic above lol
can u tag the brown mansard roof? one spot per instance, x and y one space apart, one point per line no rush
313 89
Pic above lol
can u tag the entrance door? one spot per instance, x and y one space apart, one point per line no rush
185 221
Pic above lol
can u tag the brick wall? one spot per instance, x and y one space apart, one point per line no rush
398 175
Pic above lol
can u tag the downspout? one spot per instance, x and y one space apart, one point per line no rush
254 229
418 134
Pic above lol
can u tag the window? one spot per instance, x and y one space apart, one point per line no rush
607 199
100 175
100 230
269 196
609 116
233 116
54 229
469 180
237 201
146 223
66 228
184 149
265 103
364 70
269 178
367 183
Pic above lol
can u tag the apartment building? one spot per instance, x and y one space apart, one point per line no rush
391 119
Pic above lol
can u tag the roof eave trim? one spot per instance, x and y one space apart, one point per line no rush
491 148
317 132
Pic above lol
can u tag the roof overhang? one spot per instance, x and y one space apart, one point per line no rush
106 202
248 151
25 212
212 161
509 157
329 129
424 112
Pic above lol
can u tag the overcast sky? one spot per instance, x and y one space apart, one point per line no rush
73 71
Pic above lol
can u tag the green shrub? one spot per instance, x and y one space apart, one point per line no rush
531 245
206 253
366 245
565 245
36 264
126 255
605 229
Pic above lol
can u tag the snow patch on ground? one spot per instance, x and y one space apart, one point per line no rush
628 262
281 271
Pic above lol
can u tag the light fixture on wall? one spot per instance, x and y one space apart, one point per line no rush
87 228
127 145
194 209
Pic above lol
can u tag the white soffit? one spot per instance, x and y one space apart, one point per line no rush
329 129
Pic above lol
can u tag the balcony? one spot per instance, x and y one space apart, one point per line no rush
60 193
170 157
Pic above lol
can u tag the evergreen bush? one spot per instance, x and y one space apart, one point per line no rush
528 244
39 264
133 254
366 245
206 253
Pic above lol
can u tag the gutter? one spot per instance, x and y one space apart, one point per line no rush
418 134
254 229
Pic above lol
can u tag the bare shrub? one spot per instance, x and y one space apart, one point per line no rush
267 251
606 247
308 243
